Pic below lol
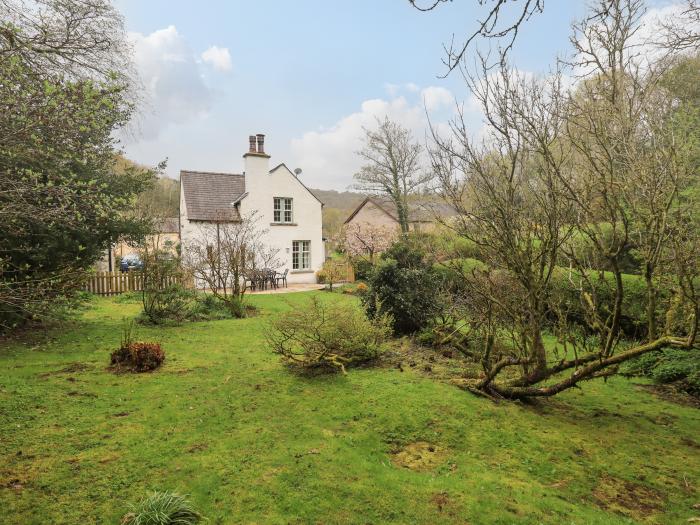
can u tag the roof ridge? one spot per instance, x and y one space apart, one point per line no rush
212 173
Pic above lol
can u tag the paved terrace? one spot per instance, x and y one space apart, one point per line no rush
290 289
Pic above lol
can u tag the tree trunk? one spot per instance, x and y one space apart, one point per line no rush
612 335
601 367
651 301
402 212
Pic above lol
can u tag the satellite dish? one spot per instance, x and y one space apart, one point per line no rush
297 172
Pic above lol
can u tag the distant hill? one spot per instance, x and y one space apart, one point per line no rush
342 200
337 206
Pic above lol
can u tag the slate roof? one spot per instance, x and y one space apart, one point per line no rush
210 196
419 209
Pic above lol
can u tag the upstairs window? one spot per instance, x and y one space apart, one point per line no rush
301 255
283 210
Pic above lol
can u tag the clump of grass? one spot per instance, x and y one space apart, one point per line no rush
162 508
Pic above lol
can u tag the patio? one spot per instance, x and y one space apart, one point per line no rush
306 287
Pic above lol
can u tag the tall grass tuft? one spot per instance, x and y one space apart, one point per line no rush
162 508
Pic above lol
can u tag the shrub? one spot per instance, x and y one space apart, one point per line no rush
358 289
641 366
404 286
164 298
362 267
583 248
451 245
634 318
333 272
137 356
327 337
168 304
208 307
162 508
677 366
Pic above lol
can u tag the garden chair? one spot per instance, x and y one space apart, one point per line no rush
270 276
282 277
260 280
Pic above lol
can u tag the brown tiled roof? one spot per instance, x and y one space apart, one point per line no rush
210 196
420 209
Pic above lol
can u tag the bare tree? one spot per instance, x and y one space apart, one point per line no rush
492 26
225 255
631 162
508 199
601 162
393 166
78 38
683 32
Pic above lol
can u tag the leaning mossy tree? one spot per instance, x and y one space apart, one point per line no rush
609 160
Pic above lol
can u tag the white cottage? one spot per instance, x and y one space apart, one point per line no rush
286 208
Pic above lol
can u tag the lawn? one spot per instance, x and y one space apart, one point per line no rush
226 423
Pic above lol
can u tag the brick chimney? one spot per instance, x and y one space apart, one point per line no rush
256 162
256 146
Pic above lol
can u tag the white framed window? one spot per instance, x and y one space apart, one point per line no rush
301 255
282 211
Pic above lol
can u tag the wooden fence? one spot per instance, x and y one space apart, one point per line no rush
350 273
114 283
343 268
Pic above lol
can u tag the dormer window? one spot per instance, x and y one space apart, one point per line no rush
283 210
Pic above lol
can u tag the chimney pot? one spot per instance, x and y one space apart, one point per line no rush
261 142
252 148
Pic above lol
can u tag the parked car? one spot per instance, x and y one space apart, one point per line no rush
130 263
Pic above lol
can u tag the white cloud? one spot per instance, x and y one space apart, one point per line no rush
174 89
436 97
329 156
218 57
392 89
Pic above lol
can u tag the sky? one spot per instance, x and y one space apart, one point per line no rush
309 74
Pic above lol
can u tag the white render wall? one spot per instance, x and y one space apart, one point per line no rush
262 187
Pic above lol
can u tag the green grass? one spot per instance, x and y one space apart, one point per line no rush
249 442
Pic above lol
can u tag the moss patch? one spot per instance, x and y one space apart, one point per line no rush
419 456
632 499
